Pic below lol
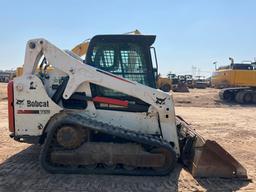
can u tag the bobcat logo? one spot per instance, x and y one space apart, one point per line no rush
20 102
160 100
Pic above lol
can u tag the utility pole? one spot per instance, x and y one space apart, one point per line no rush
198 72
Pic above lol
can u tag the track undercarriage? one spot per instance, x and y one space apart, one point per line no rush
76 144
241 95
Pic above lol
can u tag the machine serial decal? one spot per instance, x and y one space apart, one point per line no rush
119 78
37 103
33 111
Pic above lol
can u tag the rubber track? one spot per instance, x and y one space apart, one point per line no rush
74 118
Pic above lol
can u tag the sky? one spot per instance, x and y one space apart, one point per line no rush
190 34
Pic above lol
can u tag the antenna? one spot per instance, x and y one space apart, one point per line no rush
215 64
231 60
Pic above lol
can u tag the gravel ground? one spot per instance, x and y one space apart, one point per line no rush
232 126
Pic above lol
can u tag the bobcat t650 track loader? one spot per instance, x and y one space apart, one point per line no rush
104 115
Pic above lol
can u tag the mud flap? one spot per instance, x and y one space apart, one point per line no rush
206 158
211 160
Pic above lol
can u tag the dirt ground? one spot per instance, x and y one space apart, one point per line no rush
233 126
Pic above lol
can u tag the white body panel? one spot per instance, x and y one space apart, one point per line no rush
30 120
130 120
159 119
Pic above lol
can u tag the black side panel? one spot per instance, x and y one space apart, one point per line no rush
59 92
77 101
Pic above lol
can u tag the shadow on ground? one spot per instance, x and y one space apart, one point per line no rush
21 172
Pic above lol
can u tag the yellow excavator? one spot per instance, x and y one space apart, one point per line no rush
164 83
237 81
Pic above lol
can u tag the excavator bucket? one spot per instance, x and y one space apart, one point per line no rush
206 158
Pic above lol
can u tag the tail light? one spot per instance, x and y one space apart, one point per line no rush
10 106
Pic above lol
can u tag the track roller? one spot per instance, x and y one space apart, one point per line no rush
254 97
248 96
227 95
239 97
244 97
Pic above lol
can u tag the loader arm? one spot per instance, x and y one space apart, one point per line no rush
78 72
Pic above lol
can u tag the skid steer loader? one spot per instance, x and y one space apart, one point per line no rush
104 115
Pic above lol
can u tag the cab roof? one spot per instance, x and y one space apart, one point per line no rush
147 40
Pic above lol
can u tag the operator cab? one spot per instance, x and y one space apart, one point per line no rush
241 66
128 56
